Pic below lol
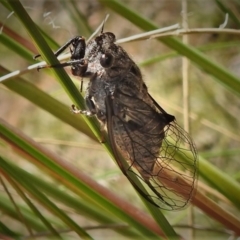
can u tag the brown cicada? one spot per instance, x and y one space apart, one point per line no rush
158 151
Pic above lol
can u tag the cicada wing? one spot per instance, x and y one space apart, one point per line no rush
156 150
175 171
112 123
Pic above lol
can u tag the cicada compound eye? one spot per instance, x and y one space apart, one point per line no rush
106 60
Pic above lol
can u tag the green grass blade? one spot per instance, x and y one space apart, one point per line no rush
80 206
5 4
43 199
5 230
221 181
226 78
205 48
48 103
16 47
60 73
52 163
15 184
8 209
225 9
77 17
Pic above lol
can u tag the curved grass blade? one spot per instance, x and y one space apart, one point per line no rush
221 74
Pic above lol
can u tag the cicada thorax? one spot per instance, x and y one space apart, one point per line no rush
109 69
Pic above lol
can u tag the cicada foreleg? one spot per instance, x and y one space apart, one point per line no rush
77 55
66 45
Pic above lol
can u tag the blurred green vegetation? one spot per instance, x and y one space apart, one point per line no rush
52 199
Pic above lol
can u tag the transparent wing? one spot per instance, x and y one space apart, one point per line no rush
158 151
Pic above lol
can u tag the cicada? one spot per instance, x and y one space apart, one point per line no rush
151 149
